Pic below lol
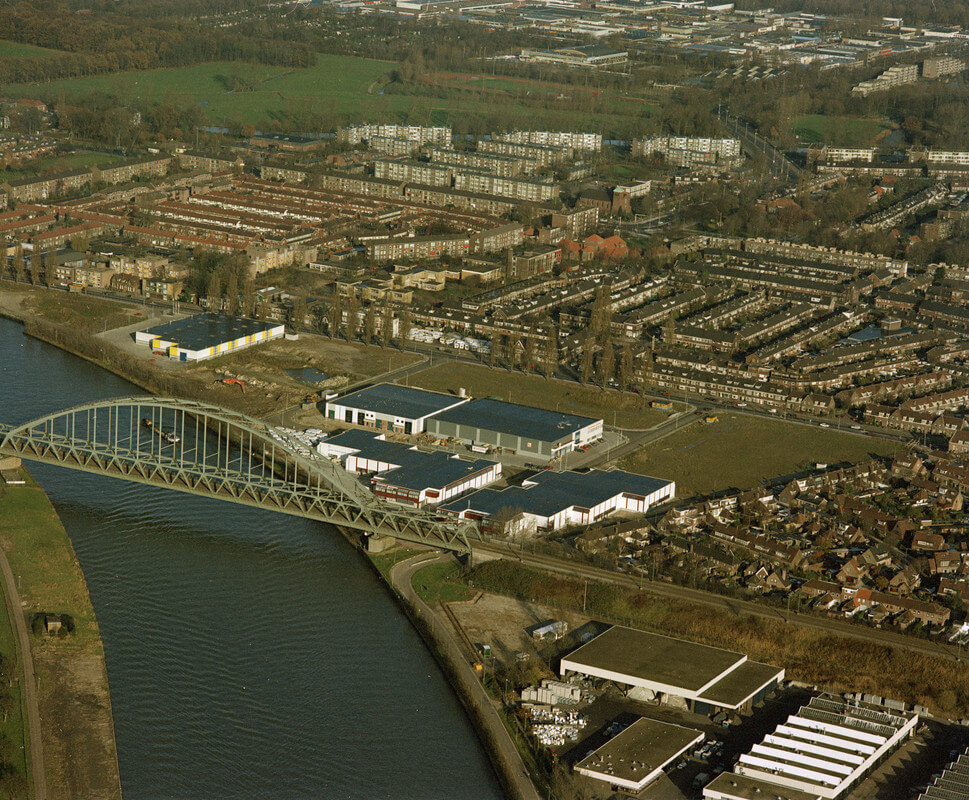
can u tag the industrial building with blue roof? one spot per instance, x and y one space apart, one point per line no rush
206 335
523 430
387 406
550 500
403 474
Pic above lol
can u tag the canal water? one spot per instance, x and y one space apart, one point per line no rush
250 654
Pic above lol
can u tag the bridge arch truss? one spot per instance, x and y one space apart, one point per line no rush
211 451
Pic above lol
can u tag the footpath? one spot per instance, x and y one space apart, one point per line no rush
68 712
36 748
481 708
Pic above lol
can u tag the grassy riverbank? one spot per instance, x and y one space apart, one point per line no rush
75 706
14 740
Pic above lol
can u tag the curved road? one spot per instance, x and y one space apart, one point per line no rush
15 609
401 576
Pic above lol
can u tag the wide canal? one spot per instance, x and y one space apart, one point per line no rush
250 654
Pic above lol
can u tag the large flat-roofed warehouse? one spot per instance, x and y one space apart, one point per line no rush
403 474
206 335
637 756
731 786
703 678
549 501
522 429
824 750
387 406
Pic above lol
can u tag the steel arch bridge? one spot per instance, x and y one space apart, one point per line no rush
211 451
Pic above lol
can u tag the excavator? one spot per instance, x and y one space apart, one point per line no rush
233 381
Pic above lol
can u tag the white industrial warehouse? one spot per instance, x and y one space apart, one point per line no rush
206 335
675 671
824 750
386 406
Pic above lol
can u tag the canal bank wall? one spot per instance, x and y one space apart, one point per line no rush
482 712
484 717
72 699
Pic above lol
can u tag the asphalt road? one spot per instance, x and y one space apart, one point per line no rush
16 611
575 569
401 575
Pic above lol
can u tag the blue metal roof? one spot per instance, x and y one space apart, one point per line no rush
416 469
556 491
398 401
201 331
516 420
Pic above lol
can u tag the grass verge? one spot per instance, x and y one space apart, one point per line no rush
440 583
740 451
80 759
624 410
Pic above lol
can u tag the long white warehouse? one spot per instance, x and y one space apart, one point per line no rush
825 749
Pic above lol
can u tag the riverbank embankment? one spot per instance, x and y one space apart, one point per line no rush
482 711
73 697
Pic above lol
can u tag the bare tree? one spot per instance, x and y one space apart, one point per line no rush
607 365
387 325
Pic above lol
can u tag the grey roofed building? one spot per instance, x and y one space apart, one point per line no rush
523 429
390 406
555 499
405 474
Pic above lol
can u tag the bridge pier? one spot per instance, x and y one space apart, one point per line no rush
478 557
9 463
377 543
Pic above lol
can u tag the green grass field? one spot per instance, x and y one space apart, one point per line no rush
344 88
438 583
843 131
41 555
10 49
533 390
337 85
740 451
60 163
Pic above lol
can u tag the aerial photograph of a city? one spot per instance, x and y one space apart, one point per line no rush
484 399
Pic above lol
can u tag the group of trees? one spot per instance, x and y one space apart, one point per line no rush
33 266
107 42
225 283
343 316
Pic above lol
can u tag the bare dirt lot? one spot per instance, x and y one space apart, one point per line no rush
501 621
264 369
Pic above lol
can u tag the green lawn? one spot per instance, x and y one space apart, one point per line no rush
42 557
740 451
624 410
339 87
843 131
438 583
60 163
336 85
10 49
